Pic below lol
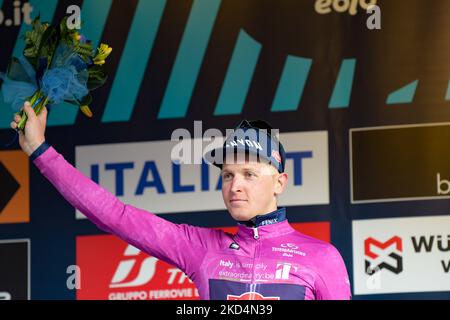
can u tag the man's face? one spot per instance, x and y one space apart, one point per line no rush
250 189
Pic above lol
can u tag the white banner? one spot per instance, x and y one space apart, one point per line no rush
401 255
142 174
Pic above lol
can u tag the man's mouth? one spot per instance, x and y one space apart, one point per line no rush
237 200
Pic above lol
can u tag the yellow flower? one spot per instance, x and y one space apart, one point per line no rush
103 52
76 36
86 111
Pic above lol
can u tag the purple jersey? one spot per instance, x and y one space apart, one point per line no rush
265 262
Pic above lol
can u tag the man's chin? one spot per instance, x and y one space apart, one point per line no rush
240 215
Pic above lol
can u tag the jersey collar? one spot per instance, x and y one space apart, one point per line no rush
273 217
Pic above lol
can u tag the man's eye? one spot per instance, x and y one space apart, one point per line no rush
250 174
226 176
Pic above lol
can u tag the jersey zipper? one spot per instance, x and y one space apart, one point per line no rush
255 233
256 255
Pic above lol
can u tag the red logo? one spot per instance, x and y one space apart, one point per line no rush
114 270
372 257
382 245
251 296
276 155
146 272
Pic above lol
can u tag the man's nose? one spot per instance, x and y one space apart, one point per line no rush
236 184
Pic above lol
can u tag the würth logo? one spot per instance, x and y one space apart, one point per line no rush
374 262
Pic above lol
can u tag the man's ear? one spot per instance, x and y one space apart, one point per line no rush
281 183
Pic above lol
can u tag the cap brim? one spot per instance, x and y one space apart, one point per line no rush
211 158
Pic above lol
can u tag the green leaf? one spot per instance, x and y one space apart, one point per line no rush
33 39
87 100
95 83
74 102
96 72
48 42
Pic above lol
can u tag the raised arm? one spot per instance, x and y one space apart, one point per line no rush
178 244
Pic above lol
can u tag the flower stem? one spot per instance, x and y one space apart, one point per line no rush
41 106
37 108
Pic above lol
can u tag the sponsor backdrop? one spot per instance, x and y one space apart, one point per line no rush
364 114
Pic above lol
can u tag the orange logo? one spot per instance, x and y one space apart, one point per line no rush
15 189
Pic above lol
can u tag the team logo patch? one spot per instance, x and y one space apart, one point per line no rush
233 290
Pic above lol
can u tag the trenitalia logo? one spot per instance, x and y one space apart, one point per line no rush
115 270
385 246
145 274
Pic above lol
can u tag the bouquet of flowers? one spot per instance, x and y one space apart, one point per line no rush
58 65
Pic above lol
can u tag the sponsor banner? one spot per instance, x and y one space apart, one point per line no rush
15 189
400 255
113 270
399 163
139 175
15 269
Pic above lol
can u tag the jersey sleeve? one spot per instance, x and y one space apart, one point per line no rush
332 282
178 244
